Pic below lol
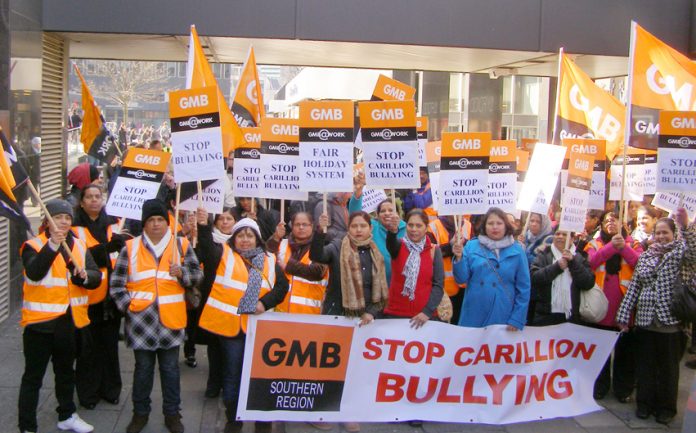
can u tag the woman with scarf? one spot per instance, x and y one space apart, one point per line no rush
496 273
307 280
247 281
612 258
97 371
559 275
357 277
416 287
211 241
660 339
538 235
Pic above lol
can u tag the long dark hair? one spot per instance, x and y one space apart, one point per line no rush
509 229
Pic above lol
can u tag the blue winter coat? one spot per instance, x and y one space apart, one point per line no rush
485 301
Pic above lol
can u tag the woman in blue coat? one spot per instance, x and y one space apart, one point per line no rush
494 267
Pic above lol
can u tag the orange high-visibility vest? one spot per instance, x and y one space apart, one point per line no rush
625 271
49 298
442 237
219 314
149 281
99 294
304 296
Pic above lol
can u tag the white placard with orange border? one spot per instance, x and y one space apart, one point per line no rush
464 173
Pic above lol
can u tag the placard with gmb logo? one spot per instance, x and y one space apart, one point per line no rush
464 173
280 159
676 154
196 135
247 170
596 149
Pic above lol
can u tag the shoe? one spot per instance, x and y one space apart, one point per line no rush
415 423
173 423
263 427
88 406
113 401
642 413
233 427
191 361
598 395
212 393
137 423
324 426
351 427
691 364
76 424
664 419
623 399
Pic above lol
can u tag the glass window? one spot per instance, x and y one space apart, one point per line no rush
526 97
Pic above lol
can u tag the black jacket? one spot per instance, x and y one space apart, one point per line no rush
544 270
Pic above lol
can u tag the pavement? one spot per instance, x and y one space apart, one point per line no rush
207 415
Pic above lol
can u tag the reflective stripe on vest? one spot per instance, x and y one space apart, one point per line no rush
625 271
304 296
149 281
220 315
50 297
99 294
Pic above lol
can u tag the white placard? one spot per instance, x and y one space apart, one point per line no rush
541 178
463 192
391 165
127 198
280 177
676 170
213 198
326 167
502 191
597 190
247 173
371 198
670 201
197 155
574 204
635 174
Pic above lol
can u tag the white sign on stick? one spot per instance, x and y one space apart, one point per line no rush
541 178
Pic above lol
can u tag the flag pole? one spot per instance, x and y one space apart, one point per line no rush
326 207
627 134
200 205
282 210
54 227
175 250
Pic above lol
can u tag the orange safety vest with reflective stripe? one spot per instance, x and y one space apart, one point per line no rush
625 271
99 294
304 296
442 237
49 298
149 281
219 314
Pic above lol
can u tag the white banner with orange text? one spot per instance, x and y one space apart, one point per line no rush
326 368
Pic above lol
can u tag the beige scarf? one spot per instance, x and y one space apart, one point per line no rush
351 276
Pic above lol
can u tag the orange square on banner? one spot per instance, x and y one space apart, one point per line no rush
280 130
466 144
678 123
252 137
287 350
193 102
503 151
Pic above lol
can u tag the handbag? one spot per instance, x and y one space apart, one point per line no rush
683 300
593 305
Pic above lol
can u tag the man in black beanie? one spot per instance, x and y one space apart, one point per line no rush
155 311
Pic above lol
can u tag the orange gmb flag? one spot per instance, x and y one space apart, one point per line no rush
660 78
247 103
92 125
199 74
586 110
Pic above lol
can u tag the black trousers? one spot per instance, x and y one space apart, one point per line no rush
619 371
216 366
657 370
40 348
97 371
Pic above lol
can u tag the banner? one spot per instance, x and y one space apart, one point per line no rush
586 110
502 175
139 180
390 144
422 129
280 159
326 368
596 149
199 74
676 156
246 180
432 153
213 197
196 138
576 197
326 146
634 176
659 78
247 102
389 89
671 201
464 173
541 178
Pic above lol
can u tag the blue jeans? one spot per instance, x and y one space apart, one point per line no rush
233 353
144 376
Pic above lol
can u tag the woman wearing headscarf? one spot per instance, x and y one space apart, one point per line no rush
660 339
256 283
357 277
307 280
539 231
559 275
79 177
496 273
612 257
416 288
97 371
211 242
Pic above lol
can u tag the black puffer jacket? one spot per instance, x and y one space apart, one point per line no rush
544 271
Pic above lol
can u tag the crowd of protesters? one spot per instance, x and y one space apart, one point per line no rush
408 263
